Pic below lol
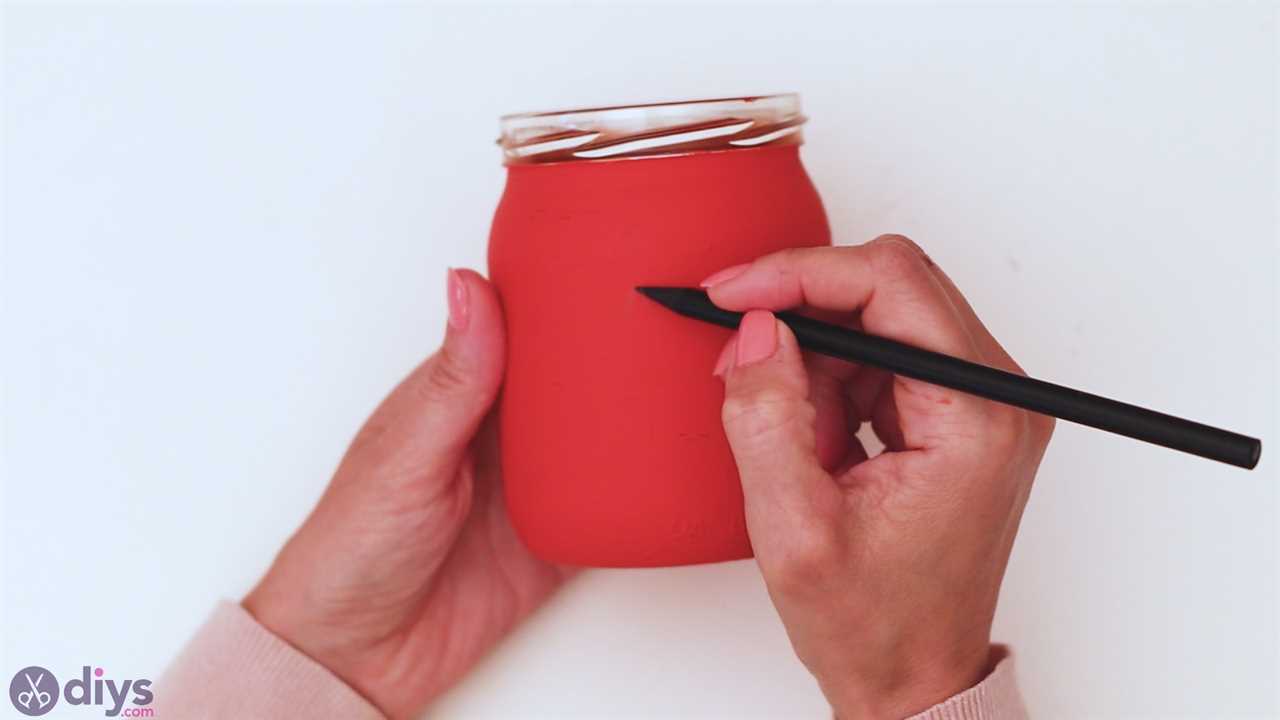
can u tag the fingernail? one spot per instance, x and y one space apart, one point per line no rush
757 337
728 273
458 301
725 361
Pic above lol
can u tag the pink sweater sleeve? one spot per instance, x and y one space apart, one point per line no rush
234 667
995 698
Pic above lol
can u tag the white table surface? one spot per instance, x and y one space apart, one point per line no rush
225 235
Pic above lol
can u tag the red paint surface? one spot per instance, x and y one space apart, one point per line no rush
612 449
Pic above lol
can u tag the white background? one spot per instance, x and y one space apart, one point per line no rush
225 236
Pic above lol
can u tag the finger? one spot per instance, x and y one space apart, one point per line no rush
833 430
885 419
898 297
725 360
769 422
887 280
427 422
843 370
993 352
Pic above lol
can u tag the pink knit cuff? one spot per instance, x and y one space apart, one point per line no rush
995 698
234 667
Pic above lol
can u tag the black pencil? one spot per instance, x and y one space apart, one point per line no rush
986 382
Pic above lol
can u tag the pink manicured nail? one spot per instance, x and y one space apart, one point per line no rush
757 337
728 273
458 301
725 361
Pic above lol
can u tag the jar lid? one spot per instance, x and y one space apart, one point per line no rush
669 128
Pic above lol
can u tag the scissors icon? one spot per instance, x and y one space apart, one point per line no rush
35 694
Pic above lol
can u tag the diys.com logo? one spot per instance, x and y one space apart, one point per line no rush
35 691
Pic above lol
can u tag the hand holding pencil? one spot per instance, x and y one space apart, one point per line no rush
992 382
886 570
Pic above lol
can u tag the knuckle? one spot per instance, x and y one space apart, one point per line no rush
1004 417
763 413
1042 427
1006 430
806 562
785 262
445 377
898 257
1039 428
371 434
1012 432
897 238
789 256
907 245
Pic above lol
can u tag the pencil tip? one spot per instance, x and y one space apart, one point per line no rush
690 302
666 296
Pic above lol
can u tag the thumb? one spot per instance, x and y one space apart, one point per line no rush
769 422
427 422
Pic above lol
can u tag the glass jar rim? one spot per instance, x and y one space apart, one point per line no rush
661 128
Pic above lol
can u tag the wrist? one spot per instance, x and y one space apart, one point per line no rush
896 690
287 613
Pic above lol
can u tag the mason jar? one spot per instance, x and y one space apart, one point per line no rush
612 449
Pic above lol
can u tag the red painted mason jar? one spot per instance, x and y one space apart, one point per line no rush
613 454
